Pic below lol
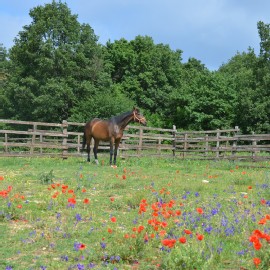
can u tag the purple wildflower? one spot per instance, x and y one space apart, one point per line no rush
224 221
214 211
91 265
80 266
208 229
77 246
64 258
78 217
103 245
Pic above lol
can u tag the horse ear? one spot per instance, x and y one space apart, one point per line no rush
135 109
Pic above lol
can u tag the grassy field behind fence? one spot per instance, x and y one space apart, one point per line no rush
145 214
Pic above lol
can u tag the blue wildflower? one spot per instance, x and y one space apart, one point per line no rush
91 265
208 229
64 258
77 246
78 217
80 266
214 211
103 245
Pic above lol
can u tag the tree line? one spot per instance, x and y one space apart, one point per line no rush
58 70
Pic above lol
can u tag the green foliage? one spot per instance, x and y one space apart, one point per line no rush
57 70
46 178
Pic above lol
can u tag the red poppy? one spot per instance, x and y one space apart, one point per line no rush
124 177
110 230
169 242
257 245
86 201
162 233
82 247
72 200
164 224
55 195
83 190
263 201
19 206
182 240
113 219
199 210
112 199
256 261
262 221
188 232
140 228
200 237
1 178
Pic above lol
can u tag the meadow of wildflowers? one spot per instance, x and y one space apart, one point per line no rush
144 214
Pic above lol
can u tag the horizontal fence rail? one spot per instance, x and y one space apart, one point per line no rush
24 138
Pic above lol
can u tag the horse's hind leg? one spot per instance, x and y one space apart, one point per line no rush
88 152
95 150
88 149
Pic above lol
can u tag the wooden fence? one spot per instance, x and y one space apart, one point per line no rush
22 138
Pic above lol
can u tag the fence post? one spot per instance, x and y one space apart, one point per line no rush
41 141
78 143
174 140
6 142
206 145
140 141
33 139
185 145
217 145
254 146
65 126
234 150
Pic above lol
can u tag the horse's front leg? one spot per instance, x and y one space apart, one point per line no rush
117 142
111 150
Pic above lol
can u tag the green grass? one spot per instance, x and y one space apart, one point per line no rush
45 231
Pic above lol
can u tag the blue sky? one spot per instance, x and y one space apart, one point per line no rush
212 31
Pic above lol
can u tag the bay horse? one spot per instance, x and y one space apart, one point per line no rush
109 130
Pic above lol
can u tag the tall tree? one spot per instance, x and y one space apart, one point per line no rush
56 62
204 101
3 77
249 76
146 73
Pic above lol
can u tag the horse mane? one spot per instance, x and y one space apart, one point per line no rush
119 118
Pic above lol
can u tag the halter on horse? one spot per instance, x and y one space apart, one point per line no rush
109 130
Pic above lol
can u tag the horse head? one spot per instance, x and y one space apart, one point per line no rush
138 117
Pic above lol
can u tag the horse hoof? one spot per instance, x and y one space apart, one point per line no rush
97 162
113 166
